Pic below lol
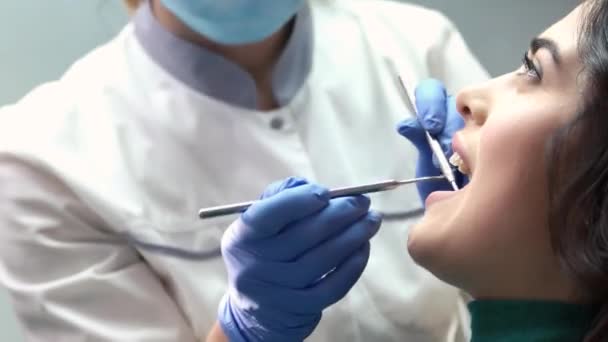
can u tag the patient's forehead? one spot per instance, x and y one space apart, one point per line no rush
565 32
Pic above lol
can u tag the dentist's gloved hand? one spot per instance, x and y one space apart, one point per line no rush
290 256
438 115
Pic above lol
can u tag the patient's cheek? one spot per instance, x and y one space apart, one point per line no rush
510 138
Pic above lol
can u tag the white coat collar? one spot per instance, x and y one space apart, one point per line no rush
215 76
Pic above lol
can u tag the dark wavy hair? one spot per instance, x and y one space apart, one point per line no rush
578 173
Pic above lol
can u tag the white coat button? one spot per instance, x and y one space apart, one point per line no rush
277 123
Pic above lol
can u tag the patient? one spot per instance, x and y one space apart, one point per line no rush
528 236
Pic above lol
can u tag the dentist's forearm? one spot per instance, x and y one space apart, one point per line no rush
216 334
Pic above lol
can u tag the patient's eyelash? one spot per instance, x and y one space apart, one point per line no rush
530 68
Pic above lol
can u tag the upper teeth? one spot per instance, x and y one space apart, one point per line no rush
457 161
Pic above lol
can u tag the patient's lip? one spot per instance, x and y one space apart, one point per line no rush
437 196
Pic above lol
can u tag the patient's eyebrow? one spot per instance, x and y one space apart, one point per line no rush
544 43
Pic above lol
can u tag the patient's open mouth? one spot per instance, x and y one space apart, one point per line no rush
458 162
460 158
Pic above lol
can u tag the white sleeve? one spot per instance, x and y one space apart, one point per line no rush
451 60
70 278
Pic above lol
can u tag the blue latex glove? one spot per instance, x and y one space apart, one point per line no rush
438 115
290 256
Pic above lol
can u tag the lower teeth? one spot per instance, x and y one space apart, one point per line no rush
457 161
463 169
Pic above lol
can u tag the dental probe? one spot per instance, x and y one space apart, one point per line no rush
444 164
338 192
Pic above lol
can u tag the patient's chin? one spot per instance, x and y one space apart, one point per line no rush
429 252
421 247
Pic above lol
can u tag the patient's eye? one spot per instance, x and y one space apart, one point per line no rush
530 69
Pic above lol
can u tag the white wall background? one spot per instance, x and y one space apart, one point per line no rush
40 38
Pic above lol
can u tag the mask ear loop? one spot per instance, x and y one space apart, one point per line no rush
174 252
402 215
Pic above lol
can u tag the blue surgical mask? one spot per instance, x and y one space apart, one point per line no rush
234 22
